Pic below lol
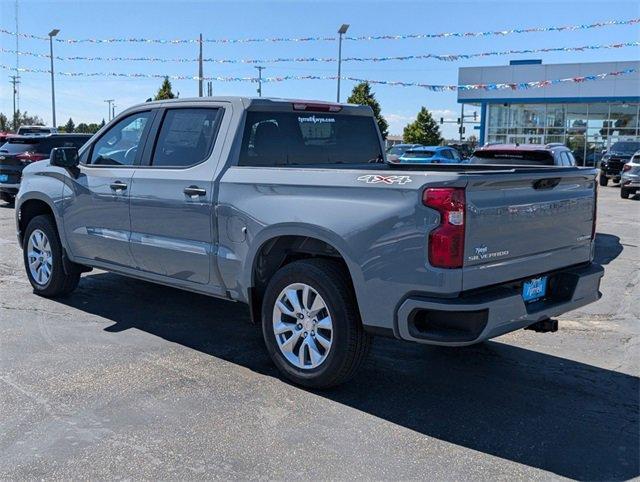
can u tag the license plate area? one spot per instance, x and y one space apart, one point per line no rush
534 289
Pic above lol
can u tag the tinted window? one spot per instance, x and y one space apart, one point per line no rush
446 153
119 145
455 154
515 157
185 138
49 143
304 138
33 130
15 146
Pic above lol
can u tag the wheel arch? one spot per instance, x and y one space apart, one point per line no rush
31 207
281 246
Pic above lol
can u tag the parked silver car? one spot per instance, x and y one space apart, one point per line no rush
630 179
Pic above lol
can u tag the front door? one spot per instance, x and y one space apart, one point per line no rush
96 201
172 197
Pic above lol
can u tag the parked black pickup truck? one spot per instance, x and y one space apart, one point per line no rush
614 160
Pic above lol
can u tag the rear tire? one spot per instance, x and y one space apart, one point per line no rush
327 284
624 194
604 180
42 253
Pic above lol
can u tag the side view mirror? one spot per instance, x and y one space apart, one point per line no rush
64 157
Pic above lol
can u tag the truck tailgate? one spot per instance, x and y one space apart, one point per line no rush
520 224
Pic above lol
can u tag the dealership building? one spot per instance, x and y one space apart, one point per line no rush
586 116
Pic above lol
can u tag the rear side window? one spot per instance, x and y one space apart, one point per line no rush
306 138
447 153
186 137
512 157
15 146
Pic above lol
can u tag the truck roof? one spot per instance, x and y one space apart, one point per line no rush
257 101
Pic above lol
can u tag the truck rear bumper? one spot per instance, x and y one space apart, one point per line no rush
484 314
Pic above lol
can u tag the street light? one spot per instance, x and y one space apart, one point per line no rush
52 34
343 29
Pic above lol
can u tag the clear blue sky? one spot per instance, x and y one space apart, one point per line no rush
82 98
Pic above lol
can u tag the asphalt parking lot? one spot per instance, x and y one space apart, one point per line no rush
126 379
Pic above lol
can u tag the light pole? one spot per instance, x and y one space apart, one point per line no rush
343 29
52 34
260 69
108 101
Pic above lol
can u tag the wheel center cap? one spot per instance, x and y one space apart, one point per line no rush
307 324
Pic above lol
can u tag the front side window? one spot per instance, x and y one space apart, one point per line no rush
446 153
185 138
308 138
119 145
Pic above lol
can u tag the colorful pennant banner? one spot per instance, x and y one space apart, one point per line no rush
488 33
443 57
431 87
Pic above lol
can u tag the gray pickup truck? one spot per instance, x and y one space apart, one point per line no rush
290 207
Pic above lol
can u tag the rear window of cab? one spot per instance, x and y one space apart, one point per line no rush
505 156
308 139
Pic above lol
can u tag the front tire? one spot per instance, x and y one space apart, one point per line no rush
311 324
604 180
42 253
624 194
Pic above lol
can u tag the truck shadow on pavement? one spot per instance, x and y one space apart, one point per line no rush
555 414
608 248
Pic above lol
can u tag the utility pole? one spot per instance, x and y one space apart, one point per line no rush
113 111
461 122
109 101
200 69
16 94
15 80
260 69
52 34
209 89
343 29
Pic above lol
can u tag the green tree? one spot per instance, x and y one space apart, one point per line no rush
24 119
164 92
362 95
4 122
70 126
424 130
82 128
102 124
93 128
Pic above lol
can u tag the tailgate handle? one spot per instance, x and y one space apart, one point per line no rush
548 183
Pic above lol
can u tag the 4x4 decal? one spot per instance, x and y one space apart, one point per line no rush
376 178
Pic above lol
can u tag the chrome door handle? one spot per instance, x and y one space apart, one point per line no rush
194 191
118 186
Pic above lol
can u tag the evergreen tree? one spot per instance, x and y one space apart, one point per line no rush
102 124
4 122
362 95
424 130
164 92
69 126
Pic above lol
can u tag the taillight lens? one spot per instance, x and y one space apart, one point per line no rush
446 242
31 157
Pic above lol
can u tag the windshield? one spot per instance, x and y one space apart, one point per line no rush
629 147
15 146
33 130
418 154
512 157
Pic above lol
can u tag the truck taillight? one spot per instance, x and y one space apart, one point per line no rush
446 242
31 157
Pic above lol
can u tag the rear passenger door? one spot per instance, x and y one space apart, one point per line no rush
172 196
